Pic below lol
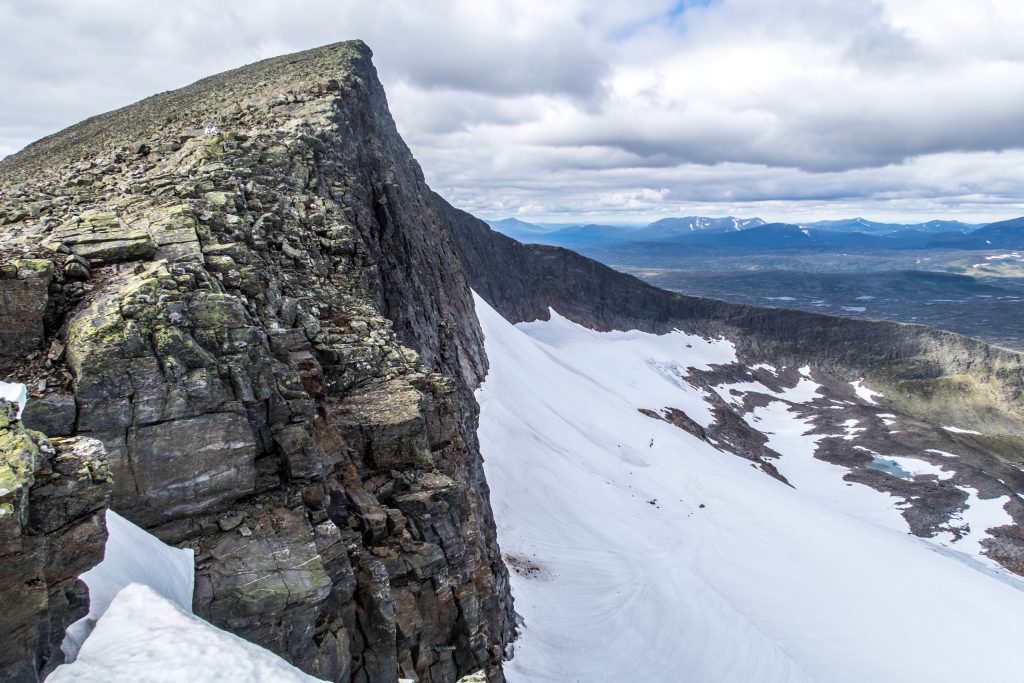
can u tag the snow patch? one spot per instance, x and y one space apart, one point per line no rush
15 393
980 515
140 625
132 555
852 430
957 430
865 394
143 636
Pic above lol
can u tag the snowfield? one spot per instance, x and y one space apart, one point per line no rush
639 553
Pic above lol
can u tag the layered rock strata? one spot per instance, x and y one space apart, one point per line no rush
53 493
243 290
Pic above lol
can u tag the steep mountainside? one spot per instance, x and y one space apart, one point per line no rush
523 281
243 290
246 325
951 390
620 515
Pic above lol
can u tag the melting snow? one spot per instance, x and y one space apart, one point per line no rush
851 430
865 394
981 515
907 468
731 576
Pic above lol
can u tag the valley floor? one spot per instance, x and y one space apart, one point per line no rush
640 553
991 309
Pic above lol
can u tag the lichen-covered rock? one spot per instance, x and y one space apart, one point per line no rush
53 495
269 330
102 237
274 568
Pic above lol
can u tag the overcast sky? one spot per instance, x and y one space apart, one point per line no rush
611 111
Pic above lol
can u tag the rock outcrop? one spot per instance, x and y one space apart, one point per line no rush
244 291
53 494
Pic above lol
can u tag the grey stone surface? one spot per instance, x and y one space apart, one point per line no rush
53 495
270 331
53 414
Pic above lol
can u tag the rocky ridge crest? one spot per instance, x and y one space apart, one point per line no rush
243 290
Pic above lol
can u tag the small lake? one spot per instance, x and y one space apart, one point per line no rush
890 467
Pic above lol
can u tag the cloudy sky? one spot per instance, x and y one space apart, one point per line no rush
610 111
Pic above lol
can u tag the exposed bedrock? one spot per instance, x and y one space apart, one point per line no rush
53 494
243 290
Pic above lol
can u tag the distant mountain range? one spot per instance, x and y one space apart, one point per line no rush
871 227
745 235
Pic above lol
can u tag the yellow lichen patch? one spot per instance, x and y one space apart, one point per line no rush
18 456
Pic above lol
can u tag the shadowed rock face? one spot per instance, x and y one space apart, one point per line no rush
243 289
53 494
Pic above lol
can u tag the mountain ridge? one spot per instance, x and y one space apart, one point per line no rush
240 292
242 311
704 232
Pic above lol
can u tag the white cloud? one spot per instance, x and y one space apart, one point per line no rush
628 110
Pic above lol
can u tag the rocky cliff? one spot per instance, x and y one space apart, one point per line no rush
52 497
244 291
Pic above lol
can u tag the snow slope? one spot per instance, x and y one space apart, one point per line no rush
642 554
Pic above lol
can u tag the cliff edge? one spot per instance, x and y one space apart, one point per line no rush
243 289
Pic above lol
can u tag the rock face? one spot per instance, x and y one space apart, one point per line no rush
52 498
244 291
